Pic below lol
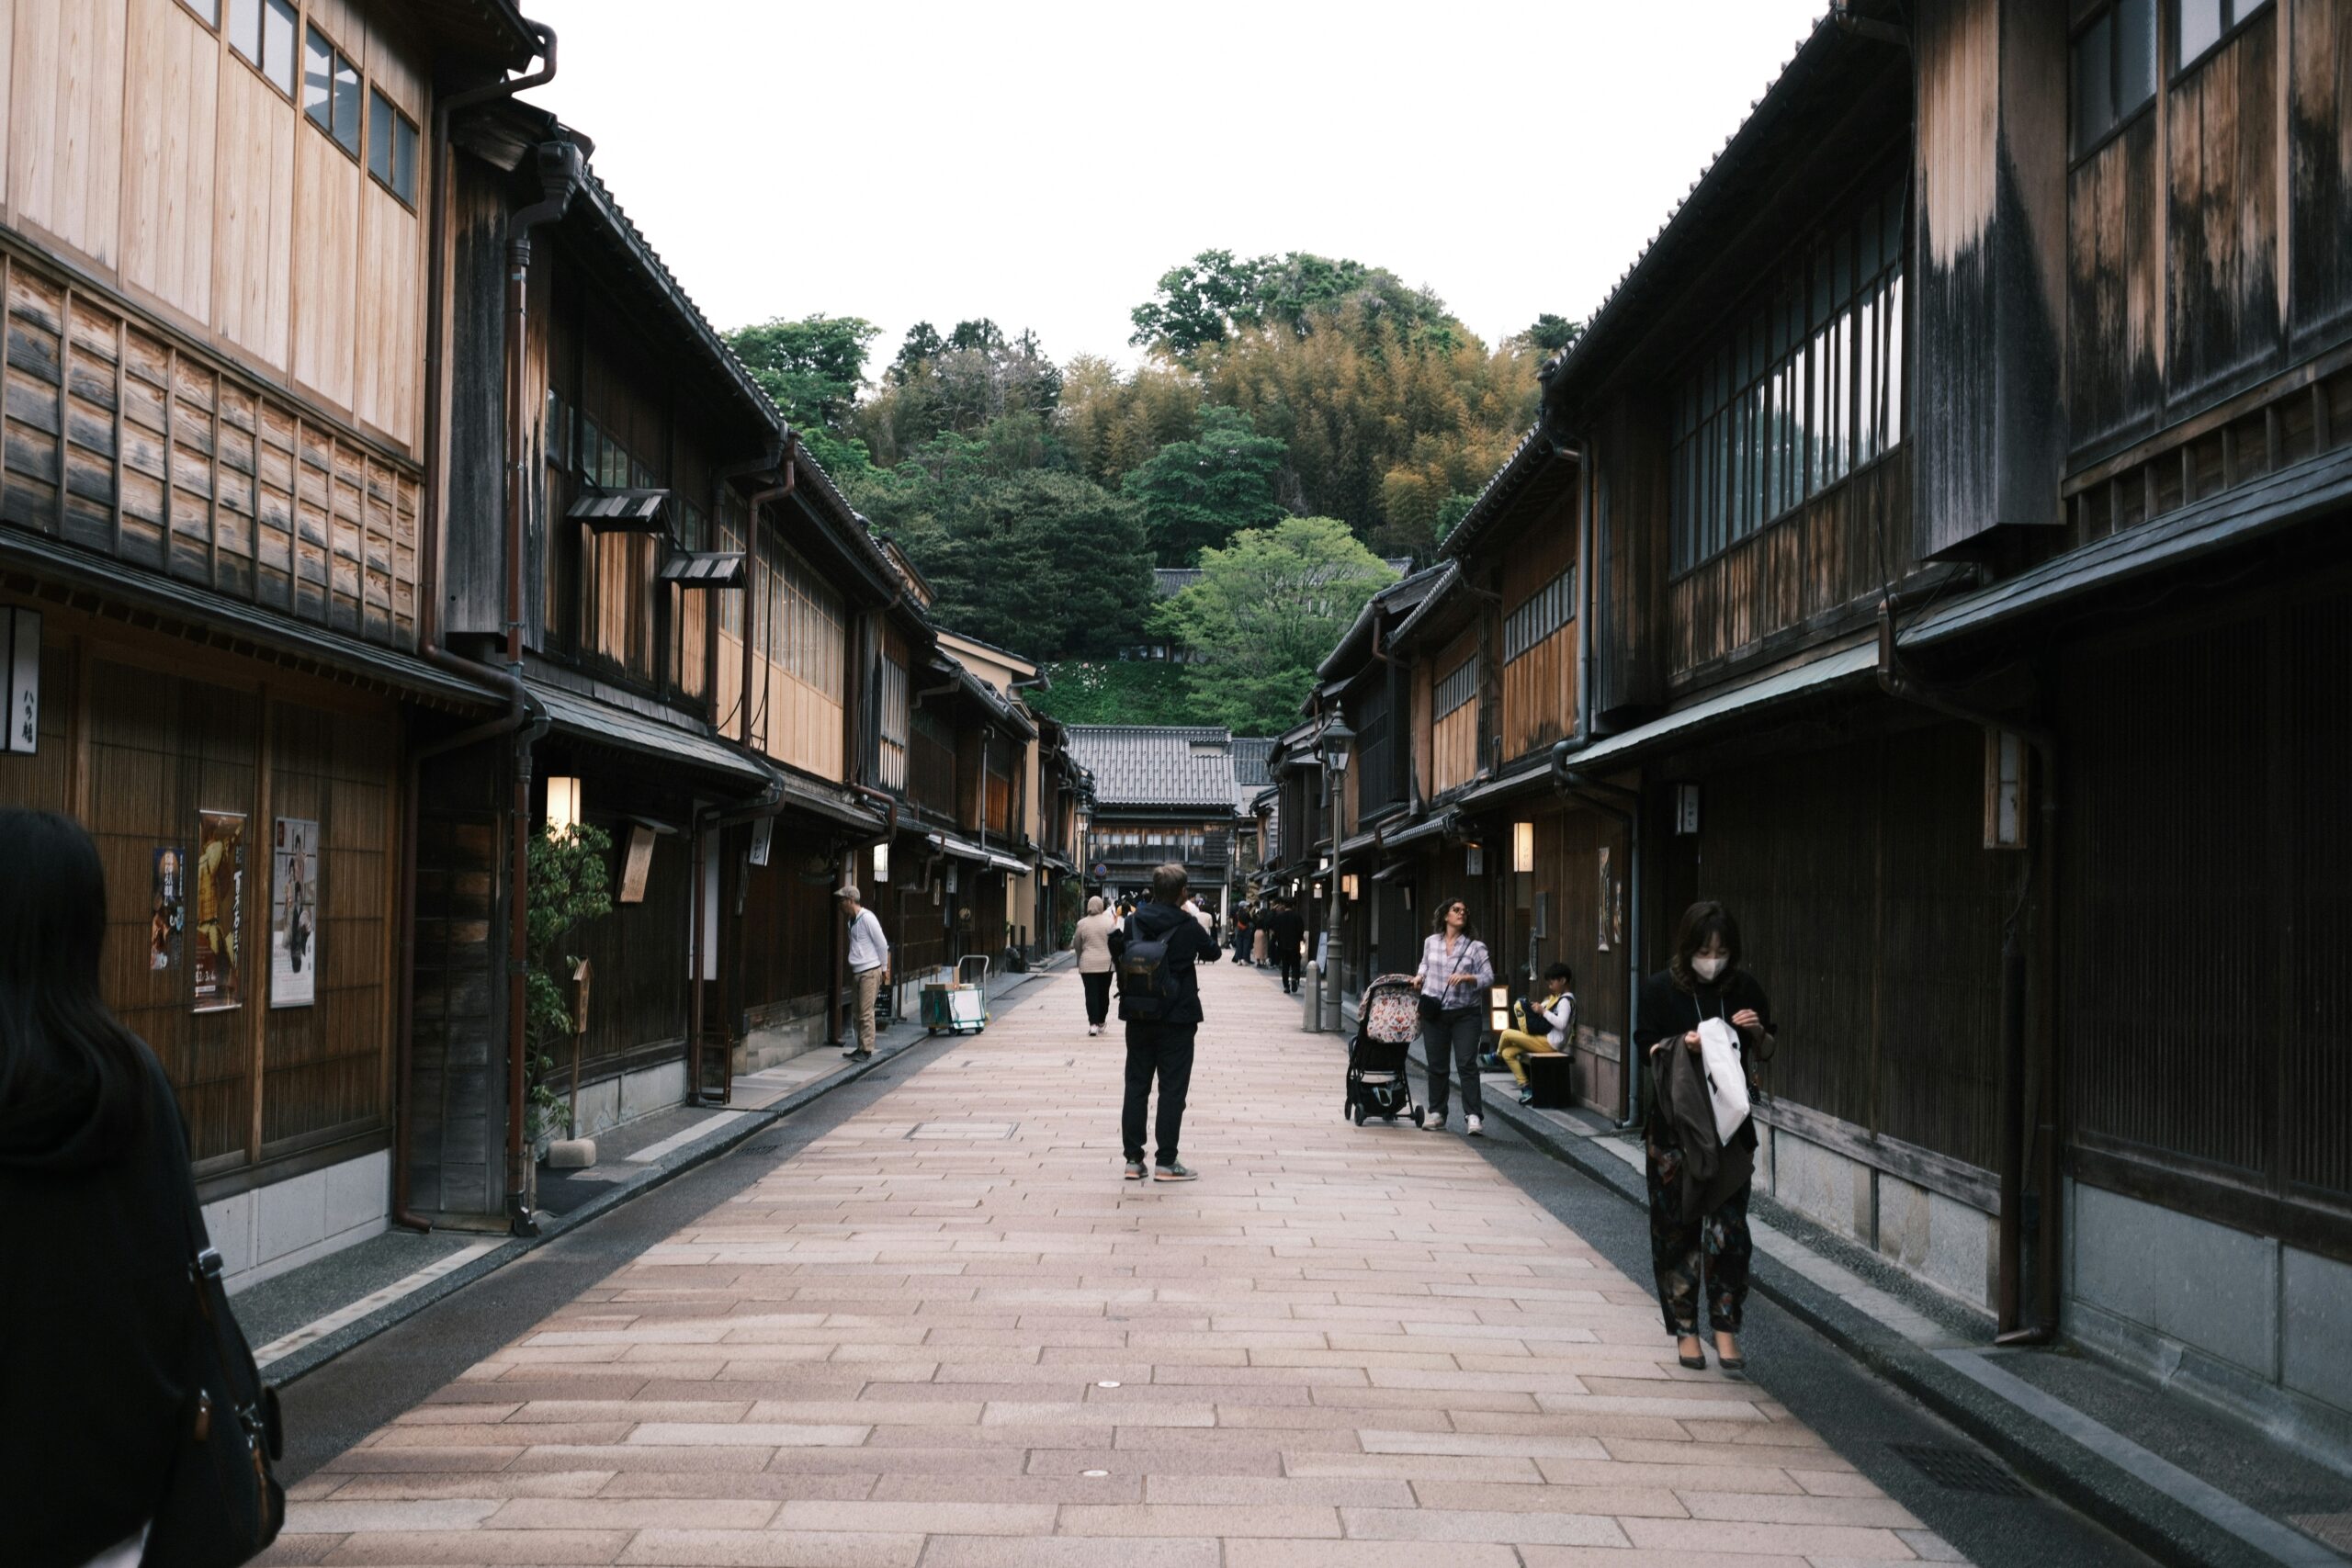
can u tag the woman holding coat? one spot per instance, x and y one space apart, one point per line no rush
1699 1183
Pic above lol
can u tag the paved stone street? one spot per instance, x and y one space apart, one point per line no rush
946 1334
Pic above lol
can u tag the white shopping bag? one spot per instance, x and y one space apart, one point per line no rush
1727 1076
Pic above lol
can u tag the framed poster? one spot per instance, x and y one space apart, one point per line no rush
1607 901
293 913
636 863
219 876
167 915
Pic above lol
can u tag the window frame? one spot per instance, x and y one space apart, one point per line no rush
258 62
337 59
2246 14
1455 691
400 120
2080 151
1552 607
196 8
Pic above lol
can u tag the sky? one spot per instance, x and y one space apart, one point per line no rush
1043 163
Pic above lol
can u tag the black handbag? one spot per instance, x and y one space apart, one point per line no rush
222 1504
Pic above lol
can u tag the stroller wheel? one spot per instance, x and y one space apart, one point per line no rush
1420 1119
1357 1111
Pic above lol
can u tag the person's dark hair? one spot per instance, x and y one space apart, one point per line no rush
1170 883
1561 972
66 1062
1702 921
1469 926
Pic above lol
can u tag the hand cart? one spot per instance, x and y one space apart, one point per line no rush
959 1006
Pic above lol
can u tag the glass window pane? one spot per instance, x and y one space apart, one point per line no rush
318 79
244 29
379 137
2200 25
278 43
2135 55
2094 92
208 10
346 103
404 159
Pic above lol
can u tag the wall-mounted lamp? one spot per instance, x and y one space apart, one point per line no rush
1348 886
1522 846
882 862
567 808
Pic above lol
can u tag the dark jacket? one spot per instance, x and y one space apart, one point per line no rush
1679 1120
1285 930
1187 946
95 1311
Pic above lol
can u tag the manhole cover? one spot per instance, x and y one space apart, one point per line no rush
1962 1469
770 1146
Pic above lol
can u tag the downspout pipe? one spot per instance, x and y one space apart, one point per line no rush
2042 873
759 499
521 710
559 170
1623 807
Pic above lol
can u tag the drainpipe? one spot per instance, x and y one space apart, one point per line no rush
751 543
559 171
1622 806
521 709
2041 875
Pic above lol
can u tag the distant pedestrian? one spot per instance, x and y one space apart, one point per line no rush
1091 943
1242 916
869 965
1285 933
1454 974
1698 1182
115 1417
1158 952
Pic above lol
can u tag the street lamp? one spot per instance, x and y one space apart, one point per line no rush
1334 741
566 809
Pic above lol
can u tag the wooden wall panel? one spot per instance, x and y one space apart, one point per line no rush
2114 346
391 356
7 89
65 121
327 267
2320 171
2223 316
252 185
169 155
1540 694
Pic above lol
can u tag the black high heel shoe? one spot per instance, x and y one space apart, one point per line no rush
1697 1363
1730 1363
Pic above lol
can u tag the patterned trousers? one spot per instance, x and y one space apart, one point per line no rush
1680 1250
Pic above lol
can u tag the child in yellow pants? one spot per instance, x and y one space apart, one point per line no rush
1557 1011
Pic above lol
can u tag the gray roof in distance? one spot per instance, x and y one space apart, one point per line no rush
1156 765
1249 774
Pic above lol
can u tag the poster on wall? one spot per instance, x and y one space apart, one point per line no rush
219 878
1607 902
167 916
636 863
293 913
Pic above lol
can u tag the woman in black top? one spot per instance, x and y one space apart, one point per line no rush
1703 981
96 1203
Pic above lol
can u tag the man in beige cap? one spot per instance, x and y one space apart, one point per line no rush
869 965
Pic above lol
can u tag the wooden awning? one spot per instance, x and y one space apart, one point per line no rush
623 510
705 569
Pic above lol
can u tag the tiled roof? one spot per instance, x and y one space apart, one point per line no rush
1250 760
1151 765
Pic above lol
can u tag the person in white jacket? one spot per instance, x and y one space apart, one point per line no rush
1556 1010
1090 943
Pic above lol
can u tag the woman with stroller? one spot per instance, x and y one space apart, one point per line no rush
1454 974
1698 1184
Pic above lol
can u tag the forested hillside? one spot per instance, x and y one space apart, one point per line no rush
1295 420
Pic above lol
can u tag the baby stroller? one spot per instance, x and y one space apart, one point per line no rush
1386 1022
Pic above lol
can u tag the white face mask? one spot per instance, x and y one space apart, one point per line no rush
1708 968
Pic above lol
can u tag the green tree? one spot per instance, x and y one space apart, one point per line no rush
811 368
1118 691
1198 303
1201 492
959 384
570 885
1266 609
1550 333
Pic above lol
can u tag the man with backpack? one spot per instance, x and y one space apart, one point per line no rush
1158 952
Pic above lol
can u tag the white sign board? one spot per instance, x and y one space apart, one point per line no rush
21 661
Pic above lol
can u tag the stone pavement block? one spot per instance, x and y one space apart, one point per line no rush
1339 1349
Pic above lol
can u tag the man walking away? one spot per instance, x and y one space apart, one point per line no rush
1092 944
1158 951
1284 933
869 965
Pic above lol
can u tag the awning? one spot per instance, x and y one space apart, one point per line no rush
830 801
1529 780
1006 863
704 568
622 511
1849 666
218 618
1357 845
601 723
2287 498
1390 873
1427 827
1062 863
961 848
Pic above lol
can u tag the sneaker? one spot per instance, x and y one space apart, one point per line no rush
1526 1097
1135 1171
1179 1172
1437 1123
1473 1128
1092 1029
855 1054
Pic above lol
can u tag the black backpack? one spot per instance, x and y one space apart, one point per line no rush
1147 982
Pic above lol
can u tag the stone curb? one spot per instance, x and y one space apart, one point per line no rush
2147 1517
318 1353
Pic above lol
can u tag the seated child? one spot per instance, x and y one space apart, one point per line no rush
1557 1009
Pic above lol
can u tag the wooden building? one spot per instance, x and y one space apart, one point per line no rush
1951 504
214 248
1161 795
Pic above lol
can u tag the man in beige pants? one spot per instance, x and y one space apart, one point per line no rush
869 965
